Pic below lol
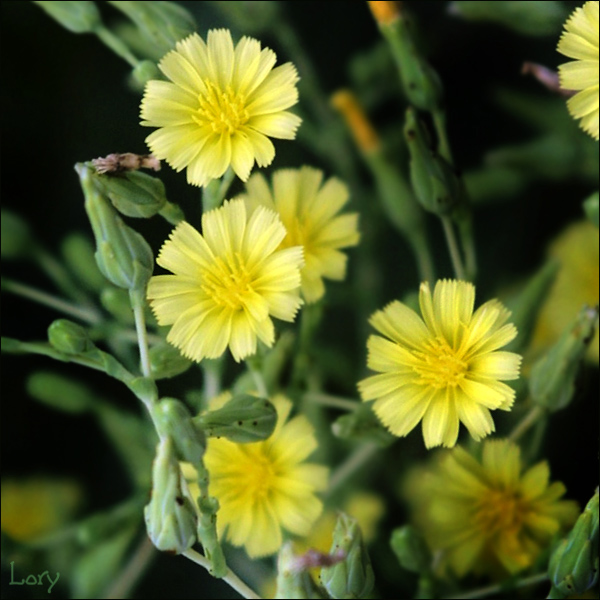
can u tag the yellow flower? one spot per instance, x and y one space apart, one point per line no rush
576 249
221 103
227 282
488 516
444 368
35 507
309 210
580 41
266 486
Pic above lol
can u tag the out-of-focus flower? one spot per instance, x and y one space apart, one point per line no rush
267 486
580 41
488 515
220 106
443 368
35 507
309 211
227 283
576 248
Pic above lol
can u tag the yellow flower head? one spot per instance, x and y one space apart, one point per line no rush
443 368
488 516
580 41
266 486
219 105
309 210
227 283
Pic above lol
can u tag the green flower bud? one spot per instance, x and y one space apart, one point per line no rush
78 16
161 23
133 193
552 382
116 301
78 252
16 240
292 580
573 567
170 518
410 549
525 307
172 418
167 361
243 419
59 392
590 206
69 337
144 71
362 425
421 83
530 18
434 181
352 577
122 254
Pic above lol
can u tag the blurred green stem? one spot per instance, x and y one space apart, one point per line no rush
499 588
116 45
230 577
531 418
439 122
132 572
136 297
453 248
360 457
331 401
88 315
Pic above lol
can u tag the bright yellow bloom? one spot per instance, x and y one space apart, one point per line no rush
443 368
227 282
576 249
488 516
309 210
221 103
35 507
266 486
580 41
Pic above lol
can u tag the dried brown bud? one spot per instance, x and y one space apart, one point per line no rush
117 163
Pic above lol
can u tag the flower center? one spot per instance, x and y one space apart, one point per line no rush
500 511
260 476
228 282
440 366
224 111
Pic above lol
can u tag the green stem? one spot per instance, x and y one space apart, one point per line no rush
439 122
531 418
259 380
453 248
132 572
137 304
353 463
85 314
424 260
499 588
116 45
230 577
332 401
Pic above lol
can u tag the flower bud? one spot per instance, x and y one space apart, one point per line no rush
116 301
78 252
122 254
573 567
243 419
59 392
434 181
170 518
69 337
352 577
410 549
292 580
144 71
78 16
167 361
590 206
172 418
133 193
552 382
362 425
16 239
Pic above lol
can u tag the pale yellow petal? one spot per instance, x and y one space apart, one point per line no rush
496 365
401 411
440 422
282 125
475 417
402 325
579 75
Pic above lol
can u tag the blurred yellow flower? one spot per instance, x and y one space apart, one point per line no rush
309 211
32 508
576 249
443 368
227 283
580 41
489 515
265 486
219 105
